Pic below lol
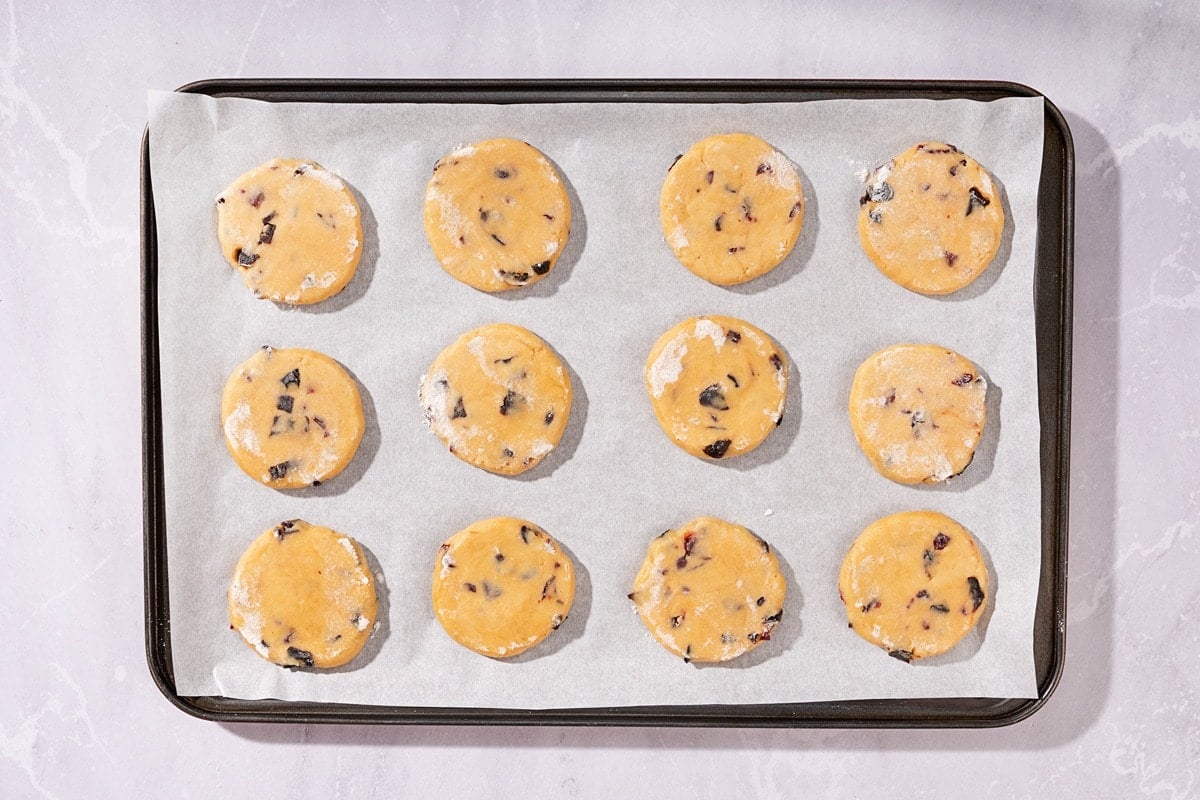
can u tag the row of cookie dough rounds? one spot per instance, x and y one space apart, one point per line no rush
497 217
500 398
912 583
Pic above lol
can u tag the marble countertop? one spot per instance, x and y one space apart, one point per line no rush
81 715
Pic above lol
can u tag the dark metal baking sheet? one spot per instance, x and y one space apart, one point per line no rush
1052 299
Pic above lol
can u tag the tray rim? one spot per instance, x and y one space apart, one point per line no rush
1054 411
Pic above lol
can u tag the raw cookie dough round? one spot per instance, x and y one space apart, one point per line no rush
731 207
931 219
292 417
914 584
303 596
501 585
718 386
292 229
709 591
918 411
497 214
498 397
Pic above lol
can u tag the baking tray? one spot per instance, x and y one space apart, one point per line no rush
1052 299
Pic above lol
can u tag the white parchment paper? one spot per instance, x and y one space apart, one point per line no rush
615 481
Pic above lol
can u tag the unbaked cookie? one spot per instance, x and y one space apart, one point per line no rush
497 214
731 207
917 411
914 584
501 586
292 229
709 591
718 386
303 596
931 219
498 397
292 417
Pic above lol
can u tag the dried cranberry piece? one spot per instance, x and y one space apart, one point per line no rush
499 240
717 221
795 210
548 588
470 587
502 173
541 268
549 417
733 336
941 608
940 541
718 448
964 379
950 258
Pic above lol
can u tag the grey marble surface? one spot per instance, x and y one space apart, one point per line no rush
80 716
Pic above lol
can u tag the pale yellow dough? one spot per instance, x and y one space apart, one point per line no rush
718 386
303 596
498 397
732 207
497 215
501 586
709 591
918 411
914 584
931 218
292 417
292 229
